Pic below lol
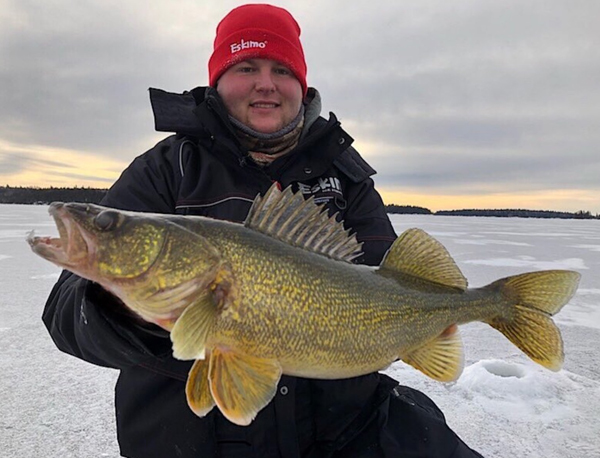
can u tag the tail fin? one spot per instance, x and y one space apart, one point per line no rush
537 296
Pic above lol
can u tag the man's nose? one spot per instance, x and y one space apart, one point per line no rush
264 81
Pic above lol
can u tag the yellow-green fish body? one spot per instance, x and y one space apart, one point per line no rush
324 318
280 295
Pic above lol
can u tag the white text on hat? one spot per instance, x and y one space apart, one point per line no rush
235 47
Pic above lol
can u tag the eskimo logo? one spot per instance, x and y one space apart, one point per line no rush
236 47
324 190
328 185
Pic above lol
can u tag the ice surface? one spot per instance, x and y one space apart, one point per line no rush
531 263
503 405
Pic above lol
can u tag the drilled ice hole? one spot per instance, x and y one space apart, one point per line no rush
502 369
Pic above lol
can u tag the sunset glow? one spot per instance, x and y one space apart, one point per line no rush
558 200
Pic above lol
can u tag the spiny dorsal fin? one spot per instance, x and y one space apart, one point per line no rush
288 217
417 254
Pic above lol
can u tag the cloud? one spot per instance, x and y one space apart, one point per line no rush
11 164
466 96
78 72
30 164
476 171
80 177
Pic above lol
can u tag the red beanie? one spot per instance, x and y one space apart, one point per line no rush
257 31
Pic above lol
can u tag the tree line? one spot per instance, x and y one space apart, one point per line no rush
521 213
502 213
45 196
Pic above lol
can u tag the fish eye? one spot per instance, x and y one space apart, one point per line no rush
107 220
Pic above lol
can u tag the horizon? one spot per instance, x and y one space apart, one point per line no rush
433 210
457 105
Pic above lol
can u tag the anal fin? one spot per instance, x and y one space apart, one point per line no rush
442 358
242 385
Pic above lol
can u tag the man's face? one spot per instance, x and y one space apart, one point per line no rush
260 93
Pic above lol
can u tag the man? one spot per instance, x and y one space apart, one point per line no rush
258 122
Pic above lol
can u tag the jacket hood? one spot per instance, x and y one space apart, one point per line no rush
186 113
178 112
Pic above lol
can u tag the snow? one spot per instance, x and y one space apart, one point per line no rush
503 405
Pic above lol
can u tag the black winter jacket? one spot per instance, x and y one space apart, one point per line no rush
203 170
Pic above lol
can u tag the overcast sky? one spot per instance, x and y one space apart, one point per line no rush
457 104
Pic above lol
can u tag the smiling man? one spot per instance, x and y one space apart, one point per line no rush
256 123
261 94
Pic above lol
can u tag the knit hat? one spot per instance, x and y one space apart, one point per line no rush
257 31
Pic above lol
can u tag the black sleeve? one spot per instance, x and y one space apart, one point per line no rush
86 321
366 215
415 426
151 182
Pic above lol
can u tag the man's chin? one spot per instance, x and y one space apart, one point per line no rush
265 124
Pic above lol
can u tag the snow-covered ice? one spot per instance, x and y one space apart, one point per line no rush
503 405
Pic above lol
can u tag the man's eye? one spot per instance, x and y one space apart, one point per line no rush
245 69
283 71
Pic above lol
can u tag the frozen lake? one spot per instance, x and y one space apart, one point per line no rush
54 405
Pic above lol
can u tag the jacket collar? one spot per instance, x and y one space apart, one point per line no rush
200 113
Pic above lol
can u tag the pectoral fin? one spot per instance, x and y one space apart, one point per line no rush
191 330
197 389
242 385
441 359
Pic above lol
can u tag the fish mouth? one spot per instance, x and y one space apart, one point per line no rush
72 246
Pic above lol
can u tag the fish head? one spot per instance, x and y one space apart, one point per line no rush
100 243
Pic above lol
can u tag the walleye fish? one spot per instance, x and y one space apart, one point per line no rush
280 295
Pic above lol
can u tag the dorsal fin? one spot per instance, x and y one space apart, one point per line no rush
419 255
288 217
